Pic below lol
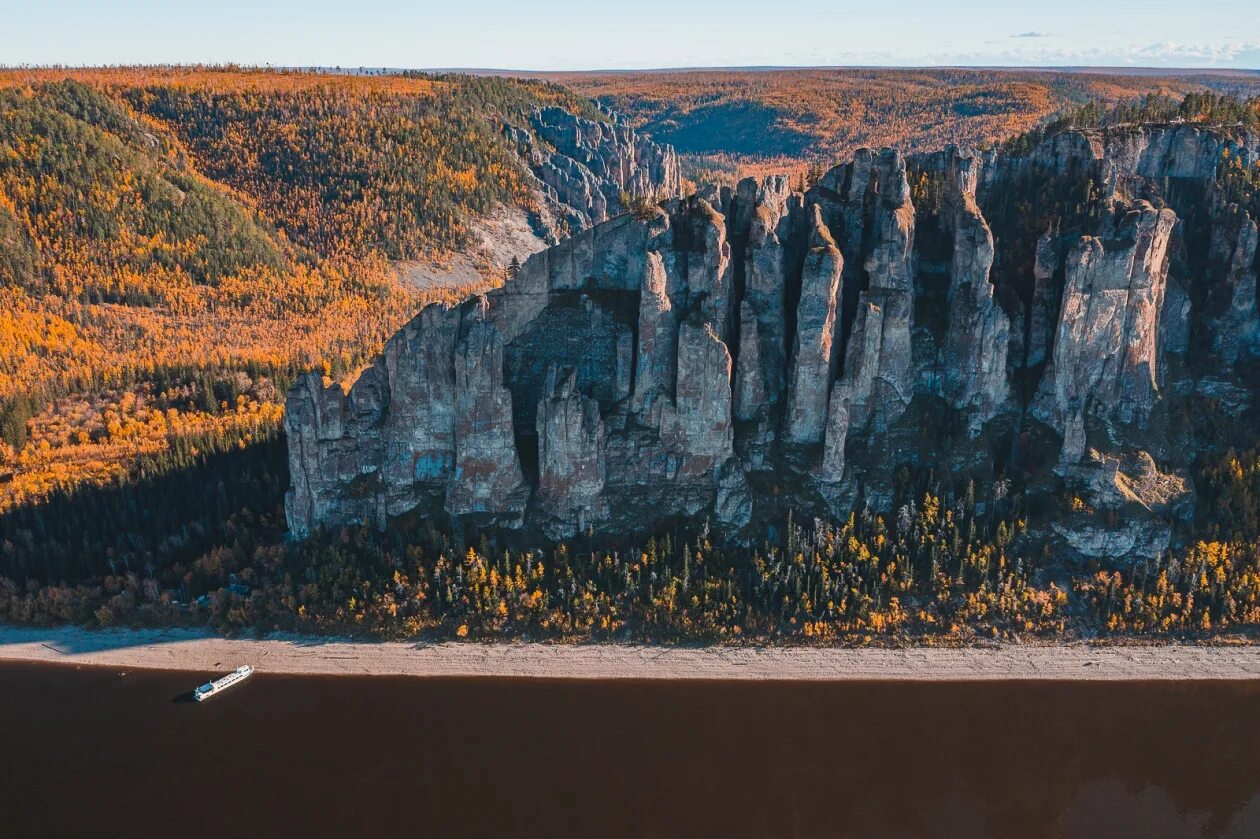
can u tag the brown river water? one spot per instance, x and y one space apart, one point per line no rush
96 752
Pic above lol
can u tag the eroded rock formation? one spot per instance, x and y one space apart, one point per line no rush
582 167
742 352
571 469
1106 349
814 360
978 334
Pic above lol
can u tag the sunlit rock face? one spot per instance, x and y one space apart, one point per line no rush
973 360
747 351
813 356
1105 357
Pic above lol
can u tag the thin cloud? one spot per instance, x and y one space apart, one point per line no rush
1229 55
1033 34
1215 53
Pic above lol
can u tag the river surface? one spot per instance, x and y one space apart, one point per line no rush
96 751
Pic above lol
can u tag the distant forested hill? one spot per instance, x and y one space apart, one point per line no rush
754 121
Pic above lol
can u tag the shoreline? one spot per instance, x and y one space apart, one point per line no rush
191 650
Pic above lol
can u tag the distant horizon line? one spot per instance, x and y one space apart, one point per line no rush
338 69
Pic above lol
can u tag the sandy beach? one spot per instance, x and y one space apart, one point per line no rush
198 651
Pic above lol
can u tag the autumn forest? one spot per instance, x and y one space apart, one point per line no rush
178 244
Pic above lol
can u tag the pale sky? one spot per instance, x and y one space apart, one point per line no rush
573 35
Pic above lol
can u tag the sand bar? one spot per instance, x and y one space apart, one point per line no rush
294 654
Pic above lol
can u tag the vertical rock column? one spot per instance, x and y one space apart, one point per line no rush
487 477
1106 349
703 400
1045 311
658 338
976 343
815 327
1233 246
571 470
764 289
831 471
702 424
419 433
876 384
708 265
335 451
750 387
313 413
878 364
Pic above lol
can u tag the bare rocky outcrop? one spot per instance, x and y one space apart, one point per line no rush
658 338
978 335
875 386
769 223
1233 252
487 477
571 467
418 433
1133 158
813 361
705 257
747 351
582 167
750 385
702 424
831 471
879 368
1105 360
327 455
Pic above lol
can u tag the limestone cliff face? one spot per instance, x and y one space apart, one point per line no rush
878 372
418 432
657 360
973 361
742 352
866 204
1132 159
571 467
1233 252
582 167
1106 349
813 361
486 476
766 207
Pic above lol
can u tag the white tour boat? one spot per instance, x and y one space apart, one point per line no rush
209 689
